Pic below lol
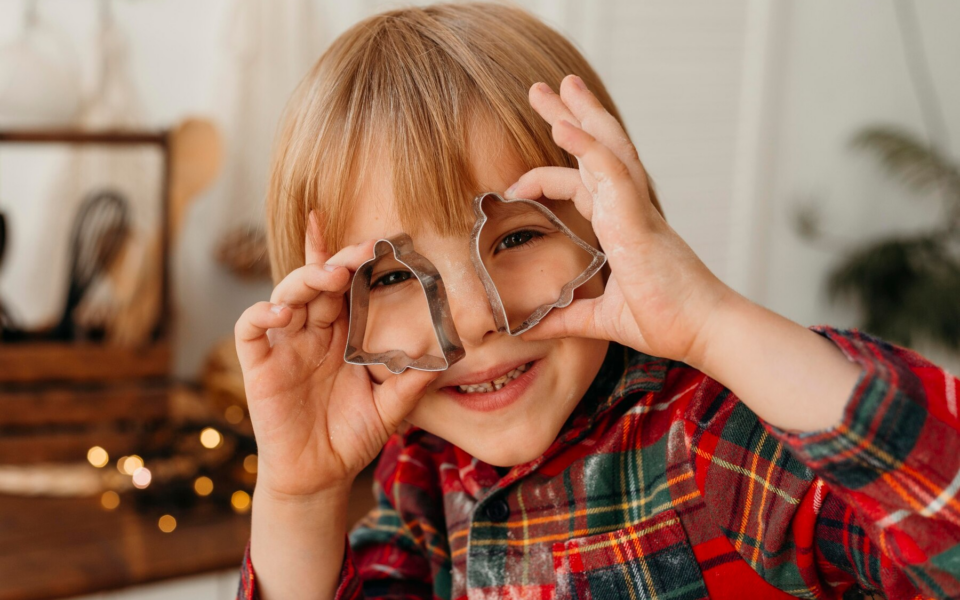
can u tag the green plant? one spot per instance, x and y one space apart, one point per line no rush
907 287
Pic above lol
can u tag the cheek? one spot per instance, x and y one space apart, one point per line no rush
592 288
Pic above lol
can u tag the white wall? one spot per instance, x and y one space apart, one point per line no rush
841 68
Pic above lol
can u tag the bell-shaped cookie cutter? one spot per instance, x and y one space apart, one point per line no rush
598 259
397 361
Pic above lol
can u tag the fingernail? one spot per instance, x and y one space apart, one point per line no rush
511 190
276 309
329 267
578 82
544 88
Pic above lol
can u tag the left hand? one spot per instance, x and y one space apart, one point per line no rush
660 297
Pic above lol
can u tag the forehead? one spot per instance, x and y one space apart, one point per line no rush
373 209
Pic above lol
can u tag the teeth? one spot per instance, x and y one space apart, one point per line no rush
494 385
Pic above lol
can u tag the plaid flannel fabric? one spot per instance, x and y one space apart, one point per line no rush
664 485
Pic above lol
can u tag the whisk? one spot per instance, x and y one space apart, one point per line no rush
99 232
6 321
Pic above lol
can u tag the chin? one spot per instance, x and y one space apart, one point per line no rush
517 450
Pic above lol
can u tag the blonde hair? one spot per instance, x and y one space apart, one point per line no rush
411 82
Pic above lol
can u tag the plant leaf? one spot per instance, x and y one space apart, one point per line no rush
915 162
905 288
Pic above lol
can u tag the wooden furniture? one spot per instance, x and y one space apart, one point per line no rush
57 399
53 548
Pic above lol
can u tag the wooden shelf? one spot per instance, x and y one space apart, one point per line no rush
72 136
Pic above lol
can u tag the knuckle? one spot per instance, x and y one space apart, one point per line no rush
241 324
617 169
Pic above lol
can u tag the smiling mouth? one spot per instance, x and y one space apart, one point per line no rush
496 384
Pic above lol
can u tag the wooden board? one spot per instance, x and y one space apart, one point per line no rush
76 405
31 362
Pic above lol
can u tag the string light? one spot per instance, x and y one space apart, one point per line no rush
110 500
98 457
142 478
128 465
203 486
240 501
234 414
167 523
210 438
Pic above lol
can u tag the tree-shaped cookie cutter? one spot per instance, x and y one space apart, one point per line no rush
598 259
397 361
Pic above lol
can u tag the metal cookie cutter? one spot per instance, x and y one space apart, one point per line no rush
397 361
566 292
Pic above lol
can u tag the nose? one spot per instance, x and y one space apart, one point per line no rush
469 305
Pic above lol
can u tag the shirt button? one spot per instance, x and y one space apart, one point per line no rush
497 510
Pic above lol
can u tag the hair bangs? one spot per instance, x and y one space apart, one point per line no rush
412 87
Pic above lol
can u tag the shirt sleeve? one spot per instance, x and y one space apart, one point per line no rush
387 551
871 502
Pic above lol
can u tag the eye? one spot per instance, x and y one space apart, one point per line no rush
519 238
391 278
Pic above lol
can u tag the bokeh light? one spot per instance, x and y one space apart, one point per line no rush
98 457
240 501
234 414
128 465
210 438
167 523
142 478
110 500
203 486
250 463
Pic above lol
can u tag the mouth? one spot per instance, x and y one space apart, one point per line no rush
495 384
495 388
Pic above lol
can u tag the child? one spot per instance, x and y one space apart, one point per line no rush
661 437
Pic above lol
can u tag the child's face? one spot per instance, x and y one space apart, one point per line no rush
517 423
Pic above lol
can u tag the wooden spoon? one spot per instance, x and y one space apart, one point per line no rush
195 159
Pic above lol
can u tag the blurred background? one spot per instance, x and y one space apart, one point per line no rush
806 150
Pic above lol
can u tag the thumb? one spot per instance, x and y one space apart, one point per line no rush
576 320
398 395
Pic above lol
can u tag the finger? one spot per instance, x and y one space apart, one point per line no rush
591 116
353 256
309 281
621 210
250 332
577 320
549 105
555 183
398 396
315 245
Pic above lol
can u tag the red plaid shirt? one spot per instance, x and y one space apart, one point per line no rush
664 485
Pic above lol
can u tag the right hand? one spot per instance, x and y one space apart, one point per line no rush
318 421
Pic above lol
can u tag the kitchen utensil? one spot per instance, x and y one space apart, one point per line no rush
100 229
